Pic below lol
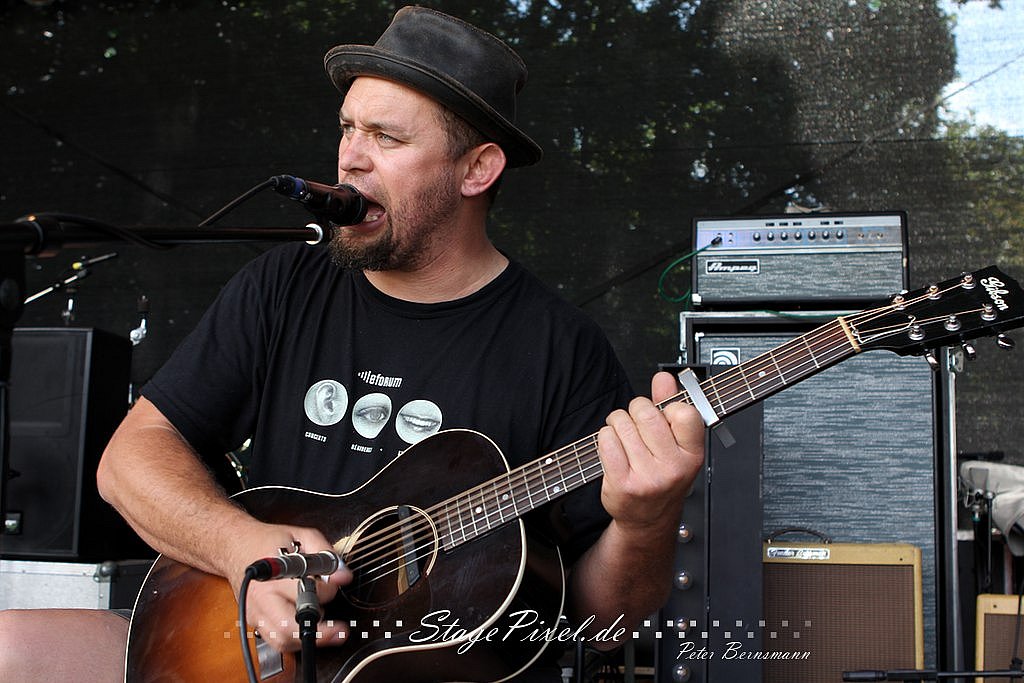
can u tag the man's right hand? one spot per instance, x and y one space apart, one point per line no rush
270 605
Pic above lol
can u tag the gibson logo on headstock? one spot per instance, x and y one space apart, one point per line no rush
994 286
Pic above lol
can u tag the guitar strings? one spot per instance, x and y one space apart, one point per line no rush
826 345
383 540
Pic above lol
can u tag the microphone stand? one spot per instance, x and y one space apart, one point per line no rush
308 614
45 235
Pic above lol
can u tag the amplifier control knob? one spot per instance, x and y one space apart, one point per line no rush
824 234
771 236
798 235
810 234
784 235
839 234
757 237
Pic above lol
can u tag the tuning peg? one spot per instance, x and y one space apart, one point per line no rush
1004 342
933 362
969 350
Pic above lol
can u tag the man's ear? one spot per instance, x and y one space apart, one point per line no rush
484 165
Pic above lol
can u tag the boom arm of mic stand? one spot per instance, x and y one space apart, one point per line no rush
44 235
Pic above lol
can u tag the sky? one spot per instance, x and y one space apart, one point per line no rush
989 40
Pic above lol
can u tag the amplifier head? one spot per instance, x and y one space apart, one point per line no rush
803 260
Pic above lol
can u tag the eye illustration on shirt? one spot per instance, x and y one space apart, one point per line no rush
417 420
370 413
326 402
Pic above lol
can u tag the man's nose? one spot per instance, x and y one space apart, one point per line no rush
352 154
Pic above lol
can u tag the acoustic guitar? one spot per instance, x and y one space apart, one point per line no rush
447 584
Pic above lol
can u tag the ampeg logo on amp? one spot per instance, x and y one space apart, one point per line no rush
805 260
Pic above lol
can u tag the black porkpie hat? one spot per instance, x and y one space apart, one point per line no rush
469 71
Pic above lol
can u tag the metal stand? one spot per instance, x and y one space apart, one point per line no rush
307 614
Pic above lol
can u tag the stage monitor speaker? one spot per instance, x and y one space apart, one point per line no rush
850 452
849 606
68 392
997 622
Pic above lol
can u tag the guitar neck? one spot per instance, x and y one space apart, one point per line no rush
742 385
510 496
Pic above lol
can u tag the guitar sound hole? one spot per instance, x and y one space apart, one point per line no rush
391 552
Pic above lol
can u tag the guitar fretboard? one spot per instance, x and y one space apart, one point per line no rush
510 496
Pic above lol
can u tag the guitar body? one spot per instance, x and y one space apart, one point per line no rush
412 626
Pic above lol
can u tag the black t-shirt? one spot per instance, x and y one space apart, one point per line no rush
333 379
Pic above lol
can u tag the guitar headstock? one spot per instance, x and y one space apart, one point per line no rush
984 303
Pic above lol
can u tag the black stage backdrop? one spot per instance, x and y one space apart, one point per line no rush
649 112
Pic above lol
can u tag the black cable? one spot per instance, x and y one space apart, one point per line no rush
230 206
250 667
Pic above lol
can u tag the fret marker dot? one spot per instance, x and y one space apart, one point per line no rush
548 461
478 510
761 374
504 497
557 488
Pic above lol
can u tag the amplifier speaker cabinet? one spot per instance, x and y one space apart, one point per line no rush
849 606
69 391
850 452
809 261
995 626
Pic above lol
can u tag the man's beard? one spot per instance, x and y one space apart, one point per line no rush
378 255
432 207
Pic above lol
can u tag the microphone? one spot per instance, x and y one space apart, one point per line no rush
339 204
295 565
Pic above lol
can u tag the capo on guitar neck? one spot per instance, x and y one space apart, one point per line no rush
692 386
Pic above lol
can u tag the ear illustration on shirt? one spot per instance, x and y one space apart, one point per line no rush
326 402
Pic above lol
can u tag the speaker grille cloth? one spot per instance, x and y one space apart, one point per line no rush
847 617
999 630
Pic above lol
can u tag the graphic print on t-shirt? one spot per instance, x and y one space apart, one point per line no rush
370 414
326 403
417 420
